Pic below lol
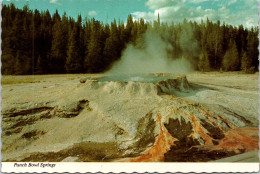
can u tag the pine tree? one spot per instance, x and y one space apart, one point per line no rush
204 64
218 45
157 24
59 45
87 35
231 58
58 49
252 47
73 61
142 27
129 28
188 45
111 50
56 17
245 62
46 40
80 40
94 60
16 35
18 68
122 35
22 64
36 36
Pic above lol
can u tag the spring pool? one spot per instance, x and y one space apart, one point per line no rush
135 78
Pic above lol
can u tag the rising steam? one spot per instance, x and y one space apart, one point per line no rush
151 54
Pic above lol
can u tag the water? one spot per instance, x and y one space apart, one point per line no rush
134 78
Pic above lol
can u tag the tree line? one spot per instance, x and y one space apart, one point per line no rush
35 42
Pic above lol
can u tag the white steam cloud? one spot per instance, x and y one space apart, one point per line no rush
153 56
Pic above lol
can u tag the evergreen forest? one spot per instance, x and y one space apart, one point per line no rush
35 42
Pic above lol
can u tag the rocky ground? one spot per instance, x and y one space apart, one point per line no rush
198 118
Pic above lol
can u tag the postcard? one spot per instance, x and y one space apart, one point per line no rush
129 86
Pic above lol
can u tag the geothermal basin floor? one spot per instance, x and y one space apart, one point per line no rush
197 118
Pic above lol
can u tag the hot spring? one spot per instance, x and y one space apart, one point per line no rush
153 78
167 83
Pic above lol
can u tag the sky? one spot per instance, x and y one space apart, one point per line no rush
234 12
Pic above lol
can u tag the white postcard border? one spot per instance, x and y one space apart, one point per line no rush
130 167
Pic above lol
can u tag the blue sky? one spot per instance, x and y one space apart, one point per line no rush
234 12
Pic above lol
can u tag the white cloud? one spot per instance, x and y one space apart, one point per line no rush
198 1
146 16
171 10
53 1
177 10
177 13
154 4
231 2
92 13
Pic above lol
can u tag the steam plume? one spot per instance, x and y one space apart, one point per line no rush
151 54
